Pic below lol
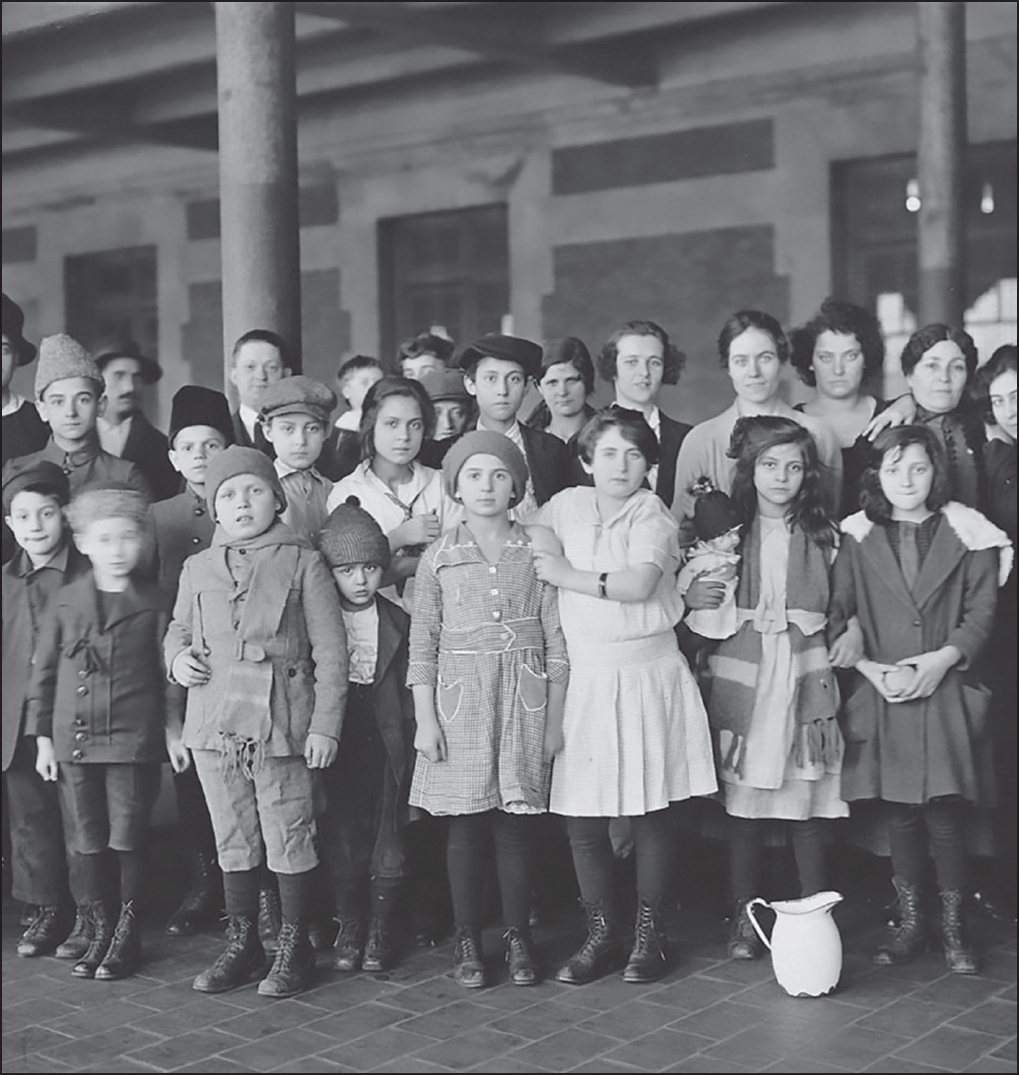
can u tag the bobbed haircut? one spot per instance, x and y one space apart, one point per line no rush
385 389
568 350
263 335
738 323
847 319
632 427
925 338
426 343
896 440
674 359
1003 360
751 438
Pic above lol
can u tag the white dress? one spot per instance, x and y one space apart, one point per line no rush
635 728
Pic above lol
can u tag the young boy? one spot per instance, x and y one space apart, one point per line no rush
295 419
97 705
199 428
69 392
496 371
259 358
366 787
342 451
257 638
34 498
425 353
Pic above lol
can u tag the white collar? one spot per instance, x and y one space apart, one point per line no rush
13 404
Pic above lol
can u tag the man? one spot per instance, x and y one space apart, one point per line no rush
259 358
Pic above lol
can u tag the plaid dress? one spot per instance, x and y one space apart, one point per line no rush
487 638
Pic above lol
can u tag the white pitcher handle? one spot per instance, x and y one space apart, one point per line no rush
753 920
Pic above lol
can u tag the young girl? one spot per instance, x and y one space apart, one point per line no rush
921 573
404 497
487 661
772 697
635 733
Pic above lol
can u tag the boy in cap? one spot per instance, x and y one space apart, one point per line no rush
257 638
200 427
497 370
342 451
123 429
23 430
295 420
34 498
366 787
453 409
69 392
259 359
97 705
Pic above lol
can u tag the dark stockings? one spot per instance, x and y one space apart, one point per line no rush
595 864
466 854
946 828
746 842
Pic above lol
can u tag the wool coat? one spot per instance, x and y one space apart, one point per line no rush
147 448
912 752
98 688
306 651
181 526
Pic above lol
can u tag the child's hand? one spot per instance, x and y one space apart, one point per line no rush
180 756
847 650
704 593
550 567
190 670
931 668
320 750
45 759
421 530
554 741
429 741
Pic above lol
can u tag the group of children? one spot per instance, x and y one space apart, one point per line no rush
484 643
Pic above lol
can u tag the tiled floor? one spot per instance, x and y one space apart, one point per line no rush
709 1014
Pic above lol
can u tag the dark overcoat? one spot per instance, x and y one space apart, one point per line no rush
912 752
147 448
181 527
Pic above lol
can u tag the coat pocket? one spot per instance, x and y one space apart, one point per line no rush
859 715
976 701
448 698
533 689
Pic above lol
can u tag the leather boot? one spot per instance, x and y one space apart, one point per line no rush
76 943
43 934
468 958
743 940
203 900
911 936
959 956
523 966
124 955
600 952
294 962
647 961
242 961
378 948
348 948
102 935
270 915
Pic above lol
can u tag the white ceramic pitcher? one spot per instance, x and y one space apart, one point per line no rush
806 949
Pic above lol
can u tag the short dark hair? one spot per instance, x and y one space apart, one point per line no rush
263 335
572 351
740 321
898 439
631 425
1003 359
927 337
673 358
847 319
379 392
355 363
426 343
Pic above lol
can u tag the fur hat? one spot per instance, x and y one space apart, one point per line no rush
524 353
14 325
61 357
21 474
298 395
485 442
195 405
237 460
109 349
713 512
352 536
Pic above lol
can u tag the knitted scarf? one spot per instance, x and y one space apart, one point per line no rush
733 684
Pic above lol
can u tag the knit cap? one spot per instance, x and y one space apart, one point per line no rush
352 536
61 357
298 395
713 512
21 474
485 442
236 460
195 405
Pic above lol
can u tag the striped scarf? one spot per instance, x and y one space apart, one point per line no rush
731 690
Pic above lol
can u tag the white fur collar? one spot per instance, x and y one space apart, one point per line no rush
974 530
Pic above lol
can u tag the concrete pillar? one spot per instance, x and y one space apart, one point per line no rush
260 230
941 162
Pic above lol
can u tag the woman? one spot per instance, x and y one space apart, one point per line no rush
752 349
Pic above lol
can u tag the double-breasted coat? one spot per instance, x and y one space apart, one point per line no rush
912 752
182 526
